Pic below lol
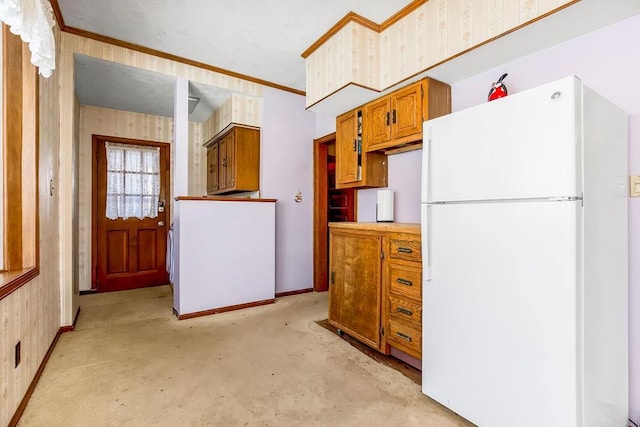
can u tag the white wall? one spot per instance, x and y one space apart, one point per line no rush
404 179
634 273
325 125
286 163
238 247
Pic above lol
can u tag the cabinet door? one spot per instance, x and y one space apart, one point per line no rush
222 163
377 122
212 168
230 175
406 111
215 162
209 171
355 285
346 148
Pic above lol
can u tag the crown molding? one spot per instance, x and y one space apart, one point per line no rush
402 13
367 23
348 18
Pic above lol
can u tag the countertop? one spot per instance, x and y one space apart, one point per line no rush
396 227
224 199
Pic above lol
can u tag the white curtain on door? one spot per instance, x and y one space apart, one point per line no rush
133 181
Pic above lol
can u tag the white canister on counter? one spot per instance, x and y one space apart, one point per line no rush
384 206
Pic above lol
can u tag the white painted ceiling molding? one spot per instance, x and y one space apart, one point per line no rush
33 21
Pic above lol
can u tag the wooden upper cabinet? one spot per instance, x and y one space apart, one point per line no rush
406 112
233 161
377 119
394 122
356 168
346 148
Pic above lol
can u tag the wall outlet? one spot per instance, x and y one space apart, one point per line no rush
17 354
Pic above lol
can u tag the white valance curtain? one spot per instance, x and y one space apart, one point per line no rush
33 21
133 181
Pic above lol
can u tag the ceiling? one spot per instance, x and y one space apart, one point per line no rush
121 87
264 40
257 38
260 39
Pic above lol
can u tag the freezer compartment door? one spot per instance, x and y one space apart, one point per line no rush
522 146
499 311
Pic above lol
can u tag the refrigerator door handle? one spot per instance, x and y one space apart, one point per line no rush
426 175
426 243
426 217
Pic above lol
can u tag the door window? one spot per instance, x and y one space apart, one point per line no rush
133 181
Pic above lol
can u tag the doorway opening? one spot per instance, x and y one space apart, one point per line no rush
331 205
130 213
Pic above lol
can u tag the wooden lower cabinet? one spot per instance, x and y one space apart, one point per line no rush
404 293
354 284
375 284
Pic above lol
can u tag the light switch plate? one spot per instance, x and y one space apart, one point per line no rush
634 186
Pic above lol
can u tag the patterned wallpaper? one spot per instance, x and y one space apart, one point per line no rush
237 108
434 32
351 55
120 55
32 313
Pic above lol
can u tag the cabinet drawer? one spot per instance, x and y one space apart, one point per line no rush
405 281
405 336
406 249
409 310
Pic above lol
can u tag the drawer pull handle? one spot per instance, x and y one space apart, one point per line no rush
405 250
404 281
404 311
404 336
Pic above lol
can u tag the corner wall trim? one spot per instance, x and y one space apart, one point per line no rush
222 309
296 292
72 327
23 403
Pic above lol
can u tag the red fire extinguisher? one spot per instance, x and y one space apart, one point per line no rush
498 89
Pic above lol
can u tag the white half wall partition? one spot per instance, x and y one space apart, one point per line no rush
225 254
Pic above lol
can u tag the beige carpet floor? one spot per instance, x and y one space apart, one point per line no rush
130 362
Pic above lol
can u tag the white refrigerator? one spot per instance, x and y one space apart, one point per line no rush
524 231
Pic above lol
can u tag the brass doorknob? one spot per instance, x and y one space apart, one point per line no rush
160 223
